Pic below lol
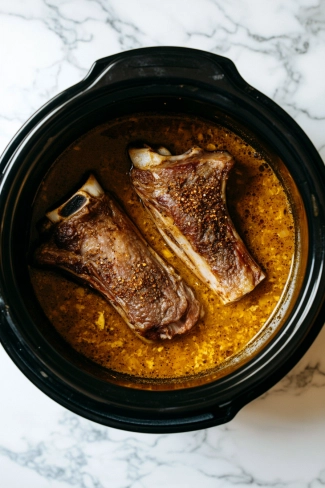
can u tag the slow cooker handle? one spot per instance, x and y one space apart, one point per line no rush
163 65
166 65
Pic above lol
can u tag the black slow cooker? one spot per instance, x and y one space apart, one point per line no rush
173 80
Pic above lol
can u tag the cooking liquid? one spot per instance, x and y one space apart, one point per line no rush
261 213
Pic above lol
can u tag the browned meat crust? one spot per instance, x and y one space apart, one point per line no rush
101 247
186 198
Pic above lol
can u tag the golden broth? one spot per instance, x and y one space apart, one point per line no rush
261 213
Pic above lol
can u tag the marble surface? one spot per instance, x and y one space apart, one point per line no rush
279 439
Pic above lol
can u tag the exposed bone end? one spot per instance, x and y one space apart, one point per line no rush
92 187
163 151
81 198
146 157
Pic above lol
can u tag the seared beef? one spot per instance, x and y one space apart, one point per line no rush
93 239
186 197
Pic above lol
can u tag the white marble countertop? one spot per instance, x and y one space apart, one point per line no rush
279 439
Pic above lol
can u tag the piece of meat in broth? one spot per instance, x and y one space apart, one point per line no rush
92 238
186 197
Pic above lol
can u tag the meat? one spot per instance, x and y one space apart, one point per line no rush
92 238
186 197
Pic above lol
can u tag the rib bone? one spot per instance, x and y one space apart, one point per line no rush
95 241
186 198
